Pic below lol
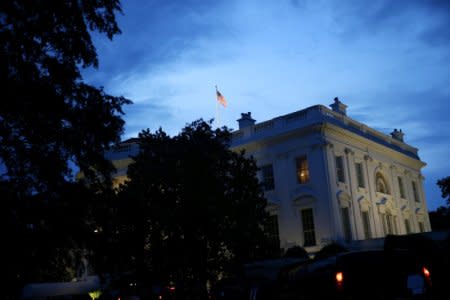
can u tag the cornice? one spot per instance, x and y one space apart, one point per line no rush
336 132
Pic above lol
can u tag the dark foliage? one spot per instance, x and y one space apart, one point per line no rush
297 252
444 185
192 208
330 250
440 219
48 115
49 120
46 235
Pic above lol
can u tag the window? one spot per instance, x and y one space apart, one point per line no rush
421 227
268 182
415 192
381 184
391 224
309 235
340 169
360 175
407 226
346 223
383 221
401 187
366 225
273 233
302 169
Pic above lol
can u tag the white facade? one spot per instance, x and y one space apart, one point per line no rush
327 177
362 184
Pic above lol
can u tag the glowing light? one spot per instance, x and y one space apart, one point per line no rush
427 275
95 294
339 277
426 272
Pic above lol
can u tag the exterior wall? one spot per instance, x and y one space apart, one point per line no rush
322 134
374 160
289 197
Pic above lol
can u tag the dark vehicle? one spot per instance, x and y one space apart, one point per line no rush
373 274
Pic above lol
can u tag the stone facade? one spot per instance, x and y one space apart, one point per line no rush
330 178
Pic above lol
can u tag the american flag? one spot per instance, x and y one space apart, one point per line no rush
220 98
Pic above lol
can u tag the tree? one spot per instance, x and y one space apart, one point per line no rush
297 252
192 208
440 219
48 115
50 120
330 249
444 185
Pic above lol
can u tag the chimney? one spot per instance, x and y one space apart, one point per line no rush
398 135
246 120
339 107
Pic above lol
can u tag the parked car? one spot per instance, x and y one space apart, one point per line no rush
375 274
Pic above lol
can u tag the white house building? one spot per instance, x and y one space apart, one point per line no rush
330 178
327 177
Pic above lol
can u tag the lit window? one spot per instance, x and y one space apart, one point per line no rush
268 182
309 235
360 175
302 169
340 169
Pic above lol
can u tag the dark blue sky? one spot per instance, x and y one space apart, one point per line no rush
389 61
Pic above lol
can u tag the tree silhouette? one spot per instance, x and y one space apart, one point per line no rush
50 121
48 115
444 185
192 208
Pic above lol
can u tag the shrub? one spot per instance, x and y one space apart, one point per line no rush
330 250
297 252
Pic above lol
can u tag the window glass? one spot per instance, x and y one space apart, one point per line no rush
366 224
421 227
268 182
415 192
302 169
390 224
383 221
401 187
360 175
309 235
346 223
340 169
407 226
273 232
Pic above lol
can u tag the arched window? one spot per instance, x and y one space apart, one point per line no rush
381 184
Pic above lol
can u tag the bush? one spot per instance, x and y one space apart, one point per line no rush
296 252
330 250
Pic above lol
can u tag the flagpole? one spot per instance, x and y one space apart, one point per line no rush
217 111
217 114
